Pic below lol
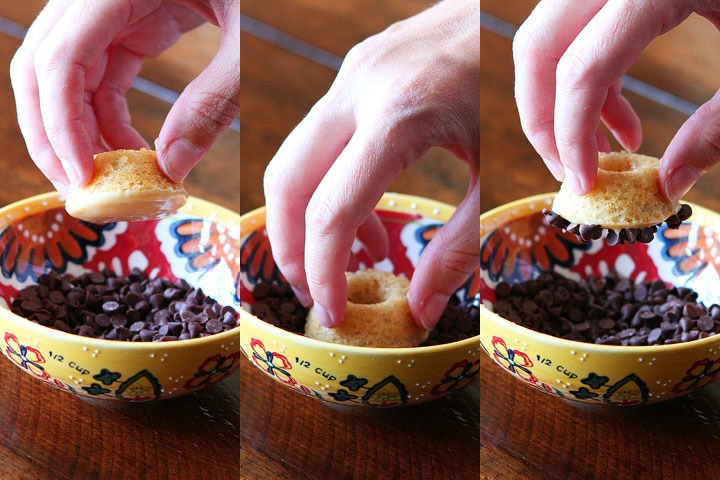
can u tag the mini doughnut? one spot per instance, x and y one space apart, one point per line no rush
377 314
626 201
127 185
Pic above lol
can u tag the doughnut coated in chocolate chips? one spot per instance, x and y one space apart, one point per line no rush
586 233
610 310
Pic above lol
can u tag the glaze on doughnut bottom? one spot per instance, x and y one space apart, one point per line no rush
377 314
127 185
626 202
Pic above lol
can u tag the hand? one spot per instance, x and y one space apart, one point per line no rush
570 58
398 93
80 57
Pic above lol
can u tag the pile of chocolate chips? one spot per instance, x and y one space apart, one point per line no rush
278 305
116 307
610 310
586 233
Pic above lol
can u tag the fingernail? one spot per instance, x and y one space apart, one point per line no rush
555 168
432 309
574 182
326 320
680 181
303 297
71 171
179 158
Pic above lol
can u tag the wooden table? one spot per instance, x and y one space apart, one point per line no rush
289 57
49 434
526 434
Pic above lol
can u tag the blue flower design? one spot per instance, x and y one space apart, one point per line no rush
595 381
96 389
342 396
107 377
583 393
354 383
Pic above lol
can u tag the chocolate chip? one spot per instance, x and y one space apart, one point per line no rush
586 233
609 310
110 307
705 323
115 307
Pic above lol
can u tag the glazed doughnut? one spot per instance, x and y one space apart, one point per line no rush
626 201
377 314
127 185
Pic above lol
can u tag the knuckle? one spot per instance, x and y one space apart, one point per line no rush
361 54
321 217
524 43
19 64
710 142
274 180
214 112
46 59
574 70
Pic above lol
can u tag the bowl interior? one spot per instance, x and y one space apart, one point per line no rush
516 245
198 244
409 229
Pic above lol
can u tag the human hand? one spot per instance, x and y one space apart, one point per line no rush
398 93
570 58
80 57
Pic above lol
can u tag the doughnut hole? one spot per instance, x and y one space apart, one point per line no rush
377 314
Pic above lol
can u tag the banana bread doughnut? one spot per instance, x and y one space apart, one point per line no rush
377 314
127 185
626 201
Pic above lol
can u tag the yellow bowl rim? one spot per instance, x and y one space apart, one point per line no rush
42 201
573 344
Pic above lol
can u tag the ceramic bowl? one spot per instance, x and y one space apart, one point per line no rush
516 245
198 244
348 375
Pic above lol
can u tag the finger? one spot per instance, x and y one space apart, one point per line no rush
204 110
447 261
596 60
693 151
110 104
292 176
602 142
343 200
538 45
62 60
621 119
25 88
374 237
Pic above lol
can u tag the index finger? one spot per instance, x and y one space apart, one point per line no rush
343 201
537 47
72 46
595 61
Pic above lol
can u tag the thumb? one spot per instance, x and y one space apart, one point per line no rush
446 263
693 151
206 107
